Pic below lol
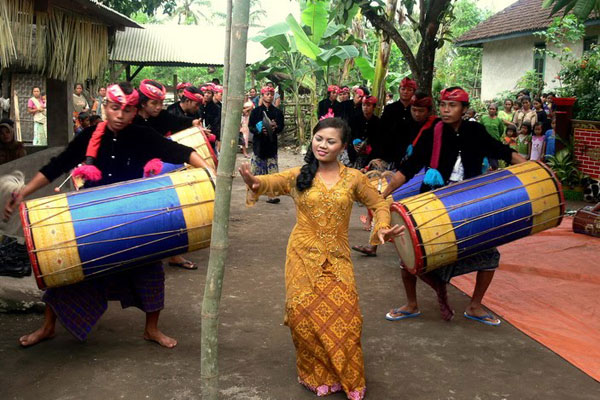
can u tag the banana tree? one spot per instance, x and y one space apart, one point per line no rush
305 51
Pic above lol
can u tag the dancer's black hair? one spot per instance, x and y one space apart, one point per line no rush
309 170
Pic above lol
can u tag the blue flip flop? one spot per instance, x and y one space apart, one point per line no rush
405 314
483 320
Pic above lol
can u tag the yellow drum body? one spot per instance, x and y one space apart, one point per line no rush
196 139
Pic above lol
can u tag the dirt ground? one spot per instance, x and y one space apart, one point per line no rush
422 358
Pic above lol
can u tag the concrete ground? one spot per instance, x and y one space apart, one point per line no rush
422 358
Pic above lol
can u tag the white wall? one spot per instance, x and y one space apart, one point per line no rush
506 61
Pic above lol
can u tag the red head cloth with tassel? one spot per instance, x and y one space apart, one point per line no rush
369 100
333 89
267 89
87 171
151 91
345 90
359 92
197 97
408 83
218 89
183 85
422 102
456 94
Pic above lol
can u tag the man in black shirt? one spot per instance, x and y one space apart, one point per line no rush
461 149
353 107
421 111
264 144
330 103
396 118
212 110
123 151
151 113
366 135
190 103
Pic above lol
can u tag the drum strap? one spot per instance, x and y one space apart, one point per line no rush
433 178
430 120
437 145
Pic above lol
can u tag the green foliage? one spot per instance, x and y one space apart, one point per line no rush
579 76
148 7
461 66
580 8
581 79
531 81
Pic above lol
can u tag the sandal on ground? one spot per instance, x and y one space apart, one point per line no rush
273 201
487 319
367 250
186 264
393 315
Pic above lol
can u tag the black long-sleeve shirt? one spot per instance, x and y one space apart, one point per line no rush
212 118
176 110
262 145
349 110
165 123
121 156
395 122
473 142
326 104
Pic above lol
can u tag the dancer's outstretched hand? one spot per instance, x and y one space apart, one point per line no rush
248 178
387 234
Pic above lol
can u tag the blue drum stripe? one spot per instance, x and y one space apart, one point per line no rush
486 216
144 223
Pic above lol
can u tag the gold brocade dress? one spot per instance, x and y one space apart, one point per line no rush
322 308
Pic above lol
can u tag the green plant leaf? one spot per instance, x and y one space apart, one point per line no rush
583 8
315 17
303 43
366 69
333 29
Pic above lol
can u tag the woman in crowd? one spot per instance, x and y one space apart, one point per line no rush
36 106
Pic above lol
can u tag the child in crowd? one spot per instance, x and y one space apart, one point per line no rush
470 115
550 140
542 117
517 106
84 122
537 148
510 136
95 120
523 140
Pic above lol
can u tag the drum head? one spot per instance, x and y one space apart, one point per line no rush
405 245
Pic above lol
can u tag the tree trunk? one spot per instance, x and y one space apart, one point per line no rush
219 239
383 59
226 58
421 65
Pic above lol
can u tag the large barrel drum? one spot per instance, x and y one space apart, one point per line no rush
465 218
80 235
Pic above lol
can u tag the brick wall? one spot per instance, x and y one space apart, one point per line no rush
587 146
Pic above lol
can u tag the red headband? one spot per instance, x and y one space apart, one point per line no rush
333 88
369 100
218 89
197 97
151 91
116 95
423 102
183 85
360 92
409 83
344 90
267 89
457 94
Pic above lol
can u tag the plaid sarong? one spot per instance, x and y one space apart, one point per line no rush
80 306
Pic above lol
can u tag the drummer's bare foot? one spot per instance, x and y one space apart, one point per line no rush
40 335
153 334
160 338
368 249
44 333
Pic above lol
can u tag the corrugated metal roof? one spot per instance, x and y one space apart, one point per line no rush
173 45
98 10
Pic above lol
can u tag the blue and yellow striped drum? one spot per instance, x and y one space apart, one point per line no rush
465 218
79 235
410 188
